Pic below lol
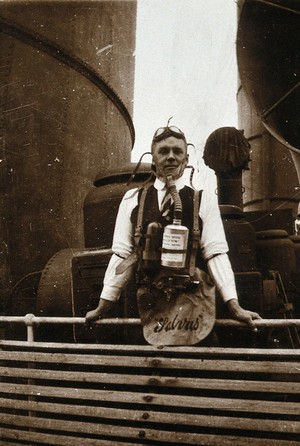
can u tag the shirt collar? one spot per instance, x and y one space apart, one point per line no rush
160 185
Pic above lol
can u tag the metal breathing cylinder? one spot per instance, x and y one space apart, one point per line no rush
175 236
174 246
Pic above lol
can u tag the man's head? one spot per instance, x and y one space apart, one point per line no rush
169 152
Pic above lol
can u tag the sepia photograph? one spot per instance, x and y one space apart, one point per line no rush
150 222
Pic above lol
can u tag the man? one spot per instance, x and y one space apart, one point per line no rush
170 157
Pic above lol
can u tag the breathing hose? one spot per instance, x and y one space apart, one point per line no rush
176 198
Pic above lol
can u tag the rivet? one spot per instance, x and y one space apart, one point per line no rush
148 398
153 381
155 362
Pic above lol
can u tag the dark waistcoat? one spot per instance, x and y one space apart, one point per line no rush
151 213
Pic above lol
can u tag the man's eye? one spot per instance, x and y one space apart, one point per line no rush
163 151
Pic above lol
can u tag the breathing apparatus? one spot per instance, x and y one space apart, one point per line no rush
164 255
162 250
166 246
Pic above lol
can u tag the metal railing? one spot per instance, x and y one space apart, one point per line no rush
30 320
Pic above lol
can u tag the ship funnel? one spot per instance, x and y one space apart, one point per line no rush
269 69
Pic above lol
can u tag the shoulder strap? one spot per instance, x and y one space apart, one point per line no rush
196 231
141 205
133 257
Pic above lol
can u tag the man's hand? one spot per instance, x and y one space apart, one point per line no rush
93 315
242 315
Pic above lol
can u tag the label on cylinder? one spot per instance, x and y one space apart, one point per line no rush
174 246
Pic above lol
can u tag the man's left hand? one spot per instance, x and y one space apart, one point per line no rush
242 315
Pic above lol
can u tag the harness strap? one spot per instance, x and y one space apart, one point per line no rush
135 255
126 263
138 228
139 223
196 232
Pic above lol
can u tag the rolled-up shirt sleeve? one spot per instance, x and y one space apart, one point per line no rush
113 283
122 247
221 272
214 247
213 240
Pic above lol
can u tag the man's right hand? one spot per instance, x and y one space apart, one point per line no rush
93 315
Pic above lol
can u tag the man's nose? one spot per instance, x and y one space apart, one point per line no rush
171 155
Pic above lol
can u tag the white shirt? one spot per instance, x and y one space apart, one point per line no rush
213 241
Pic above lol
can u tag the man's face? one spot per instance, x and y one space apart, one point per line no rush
170 157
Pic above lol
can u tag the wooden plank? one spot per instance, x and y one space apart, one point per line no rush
148 349
9 443
52 439
154 380
162 425
177 418
285 367
146 399
125 433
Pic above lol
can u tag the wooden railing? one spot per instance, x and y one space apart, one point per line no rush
30 320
